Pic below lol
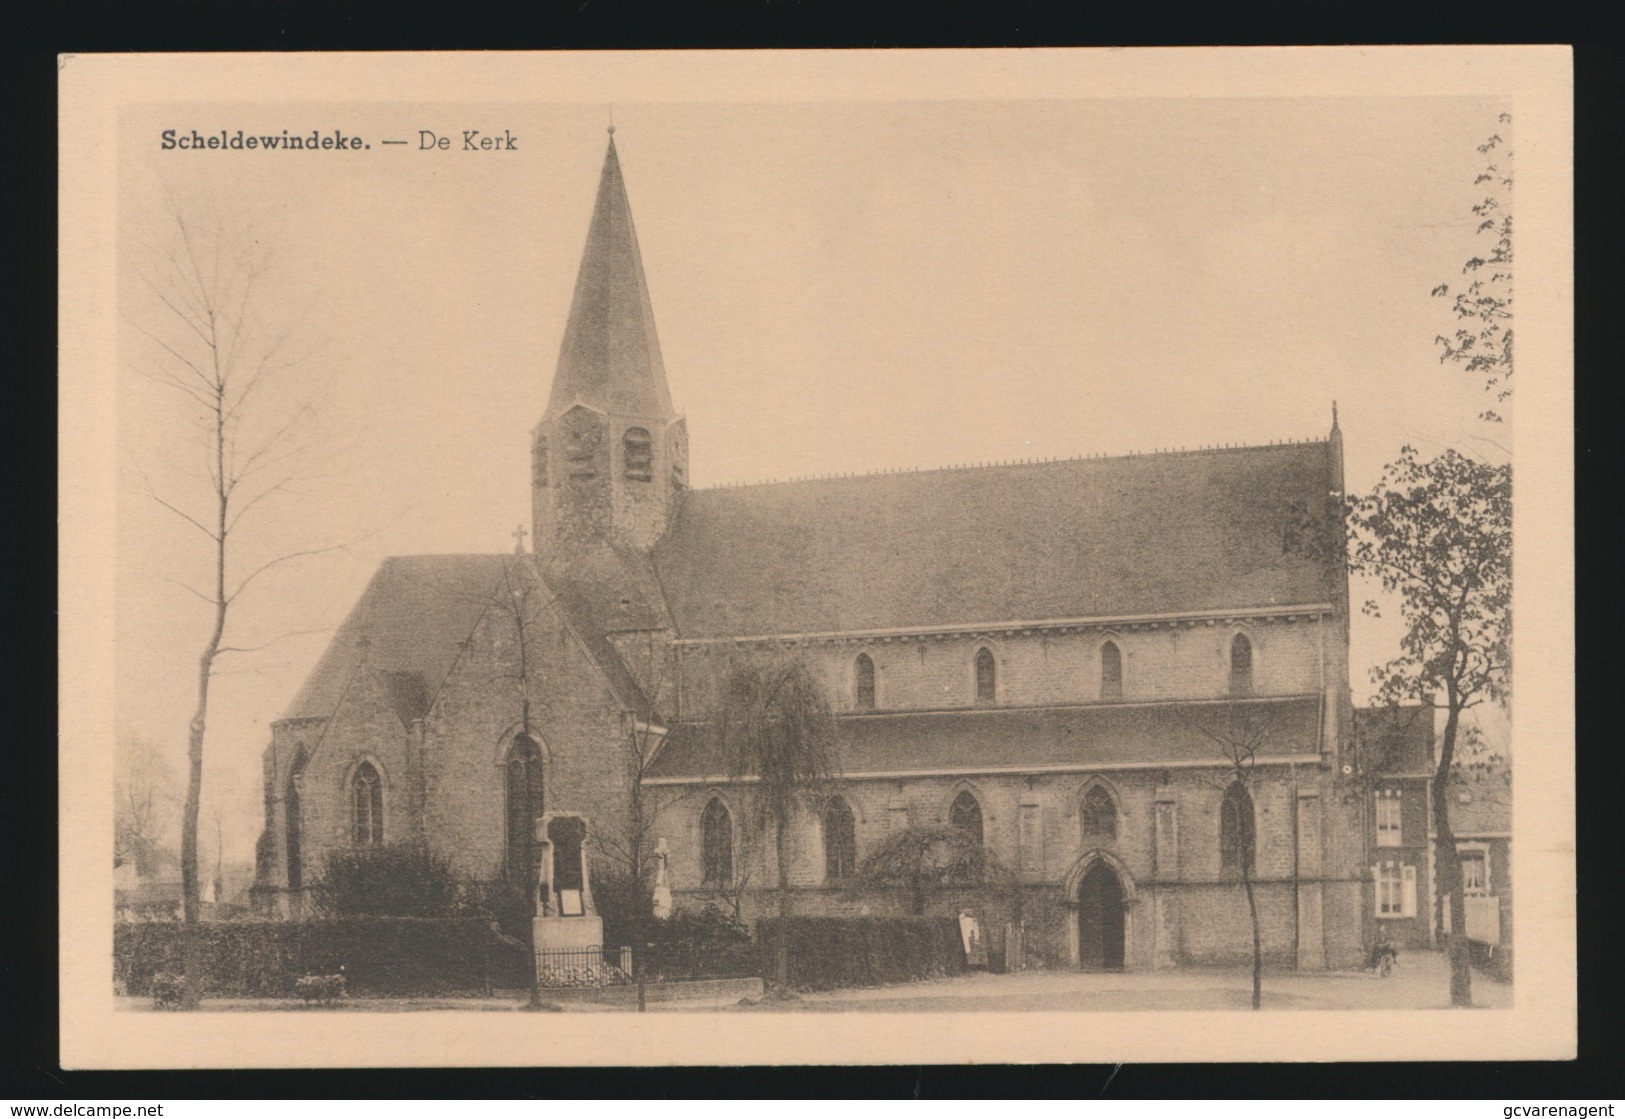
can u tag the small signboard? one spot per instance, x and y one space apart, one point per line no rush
570 903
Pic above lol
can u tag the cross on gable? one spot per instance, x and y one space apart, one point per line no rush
519 540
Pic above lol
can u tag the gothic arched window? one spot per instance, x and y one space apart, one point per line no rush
1241 665
1099 816
966 815
523 797
863 682
1236 831
366 807
638 452
1111 671
986 676
293 824
840 840
716 845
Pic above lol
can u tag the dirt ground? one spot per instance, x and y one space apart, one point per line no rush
1420 982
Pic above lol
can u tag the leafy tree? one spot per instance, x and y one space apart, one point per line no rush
773 725
1482 340
925 860
1437 535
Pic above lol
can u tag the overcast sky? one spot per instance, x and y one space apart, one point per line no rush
837 288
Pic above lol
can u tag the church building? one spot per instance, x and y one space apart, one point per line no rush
1118 673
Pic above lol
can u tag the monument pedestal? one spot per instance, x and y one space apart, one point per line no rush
564 934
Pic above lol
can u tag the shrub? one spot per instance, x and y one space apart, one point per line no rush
406 880
168 989
325 989
624 905
377 955
580 975
828 952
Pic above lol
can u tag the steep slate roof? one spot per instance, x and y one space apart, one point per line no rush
1488 808
410 624
994 738
1164 533
610 357
1396 740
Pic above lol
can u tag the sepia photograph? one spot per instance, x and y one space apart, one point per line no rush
1004 549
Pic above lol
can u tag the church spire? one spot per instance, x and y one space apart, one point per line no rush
609 460
610 357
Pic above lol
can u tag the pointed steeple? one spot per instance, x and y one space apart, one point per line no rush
610 357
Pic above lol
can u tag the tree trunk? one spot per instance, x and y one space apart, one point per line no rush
781 960
190 899
1258 943
1448 863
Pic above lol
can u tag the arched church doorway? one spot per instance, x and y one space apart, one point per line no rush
1101 919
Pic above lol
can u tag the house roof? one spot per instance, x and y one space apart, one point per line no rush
1487 807
973 739
1396 740
1165 533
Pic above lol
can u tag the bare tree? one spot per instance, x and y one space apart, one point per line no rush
146 791
208 338
1239 732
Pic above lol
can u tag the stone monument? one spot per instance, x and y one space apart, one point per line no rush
566 917
662 891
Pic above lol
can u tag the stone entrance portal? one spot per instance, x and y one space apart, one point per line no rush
1101 919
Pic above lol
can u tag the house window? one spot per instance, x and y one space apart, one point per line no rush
1475 872
1396 889
1241 665
986 676
863 672
1099 817
638 454
1388 818
966 815
1111 671
293 824
366 807
840 840
524 804
1236 831
717 844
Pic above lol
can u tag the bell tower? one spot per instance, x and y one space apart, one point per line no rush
610 456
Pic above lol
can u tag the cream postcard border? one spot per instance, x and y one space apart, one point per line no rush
1541 1023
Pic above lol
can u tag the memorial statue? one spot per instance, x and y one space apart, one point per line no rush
662 891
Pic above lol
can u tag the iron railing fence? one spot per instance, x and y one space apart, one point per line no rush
583 967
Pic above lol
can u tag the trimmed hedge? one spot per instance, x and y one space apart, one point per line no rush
829 952
379 955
